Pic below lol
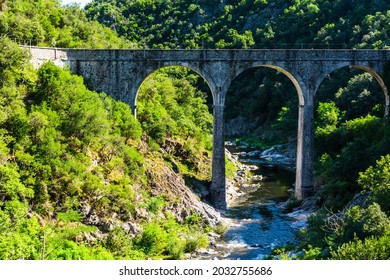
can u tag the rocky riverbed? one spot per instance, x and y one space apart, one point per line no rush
257 197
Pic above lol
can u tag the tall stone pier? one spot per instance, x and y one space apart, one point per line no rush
120 74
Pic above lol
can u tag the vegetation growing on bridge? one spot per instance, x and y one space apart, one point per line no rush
68 153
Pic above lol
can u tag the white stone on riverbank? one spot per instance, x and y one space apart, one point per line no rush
300 217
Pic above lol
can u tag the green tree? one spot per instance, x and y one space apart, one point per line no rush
377 180
369 249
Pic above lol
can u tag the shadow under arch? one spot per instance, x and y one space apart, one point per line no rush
291 78
289 75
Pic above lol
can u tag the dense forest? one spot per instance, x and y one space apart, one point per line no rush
82 179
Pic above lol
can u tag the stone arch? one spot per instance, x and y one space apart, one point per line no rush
370 68
217 188
372 72
281 69
381 83
149 71
301 117
292 79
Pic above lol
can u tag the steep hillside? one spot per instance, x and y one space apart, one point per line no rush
246 23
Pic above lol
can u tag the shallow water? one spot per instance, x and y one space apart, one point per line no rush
257 223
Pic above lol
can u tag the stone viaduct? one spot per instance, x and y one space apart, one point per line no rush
120 74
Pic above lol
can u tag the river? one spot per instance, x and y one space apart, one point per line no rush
257 222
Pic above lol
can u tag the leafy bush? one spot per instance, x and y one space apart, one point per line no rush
316 234
119 243
363 222
373 248
153 240
156 204
377 180
195 241
19 237
175 247
70 250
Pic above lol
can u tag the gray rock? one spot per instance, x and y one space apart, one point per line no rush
132 228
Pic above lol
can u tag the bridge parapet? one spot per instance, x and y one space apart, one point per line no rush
229 54
41 55
210 54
